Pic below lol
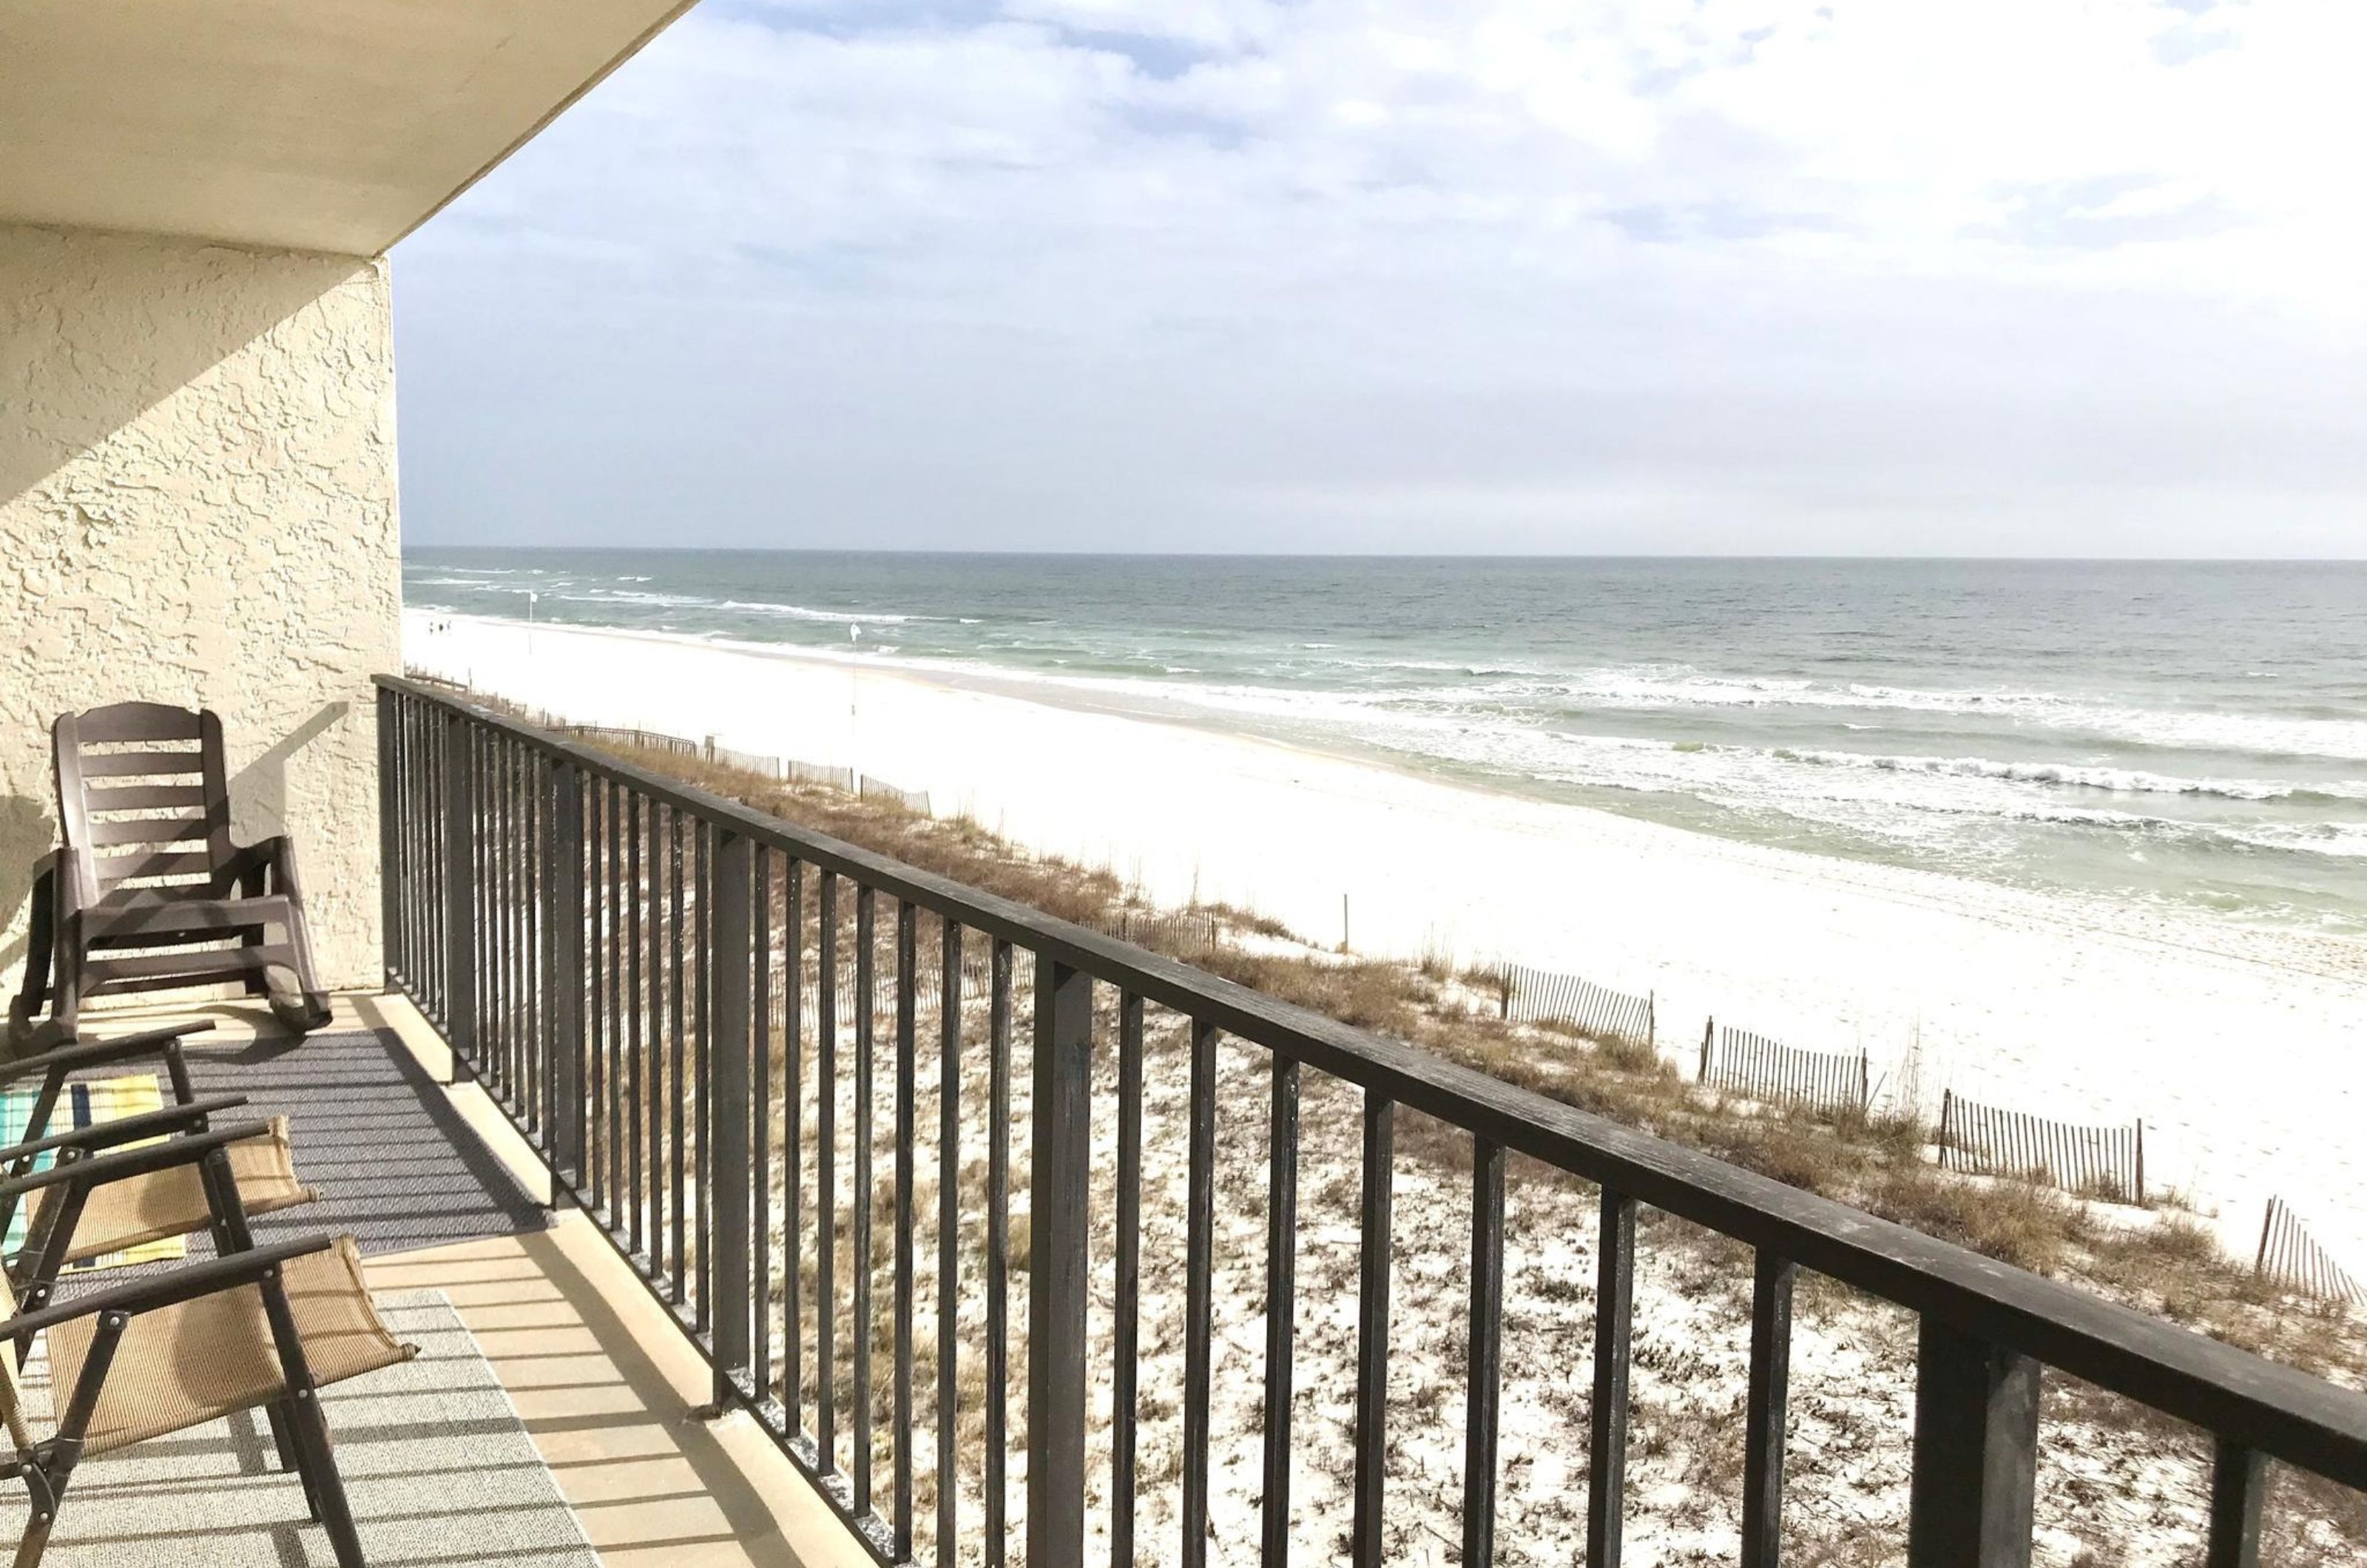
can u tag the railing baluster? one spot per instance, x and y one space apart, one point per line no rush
634 1189
998 1249
760 1102
793 1325
493 913
1606 1479
1762 1452
1281 1290
617 1190
2238 1481
728 1063
513 841
595 888
1373 1330
565 891
949 1001
656 1101
703 873
867 938
1200 1228
460 929
390 836
473 936
678 1045
1059 1168
1126 1327
826 1186
538 772
1486 1358
907 964
1976 1447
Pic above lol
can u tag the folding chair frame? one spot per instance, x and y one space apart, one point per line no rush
297 1425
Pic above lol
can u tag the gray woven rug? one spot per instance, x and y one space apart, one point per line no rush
397 1166
437 1467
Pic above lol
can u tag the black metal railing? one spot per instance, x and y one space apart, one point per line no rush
636 970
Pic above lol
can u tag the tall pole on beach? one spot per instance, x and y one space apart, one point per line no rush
531 596
853 689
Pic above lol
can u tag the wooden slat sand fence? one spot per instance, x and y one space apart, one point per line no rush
791 770
926 997
2107 1161
643 740
1530 995
1766 1069
2291 1257
819 774
1180 930
750 761
977 975
916 801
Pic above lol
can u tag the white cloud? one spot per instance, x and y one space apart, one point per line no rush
1740 274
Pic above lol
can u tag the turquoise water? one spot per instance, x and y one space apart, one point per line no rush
2190 735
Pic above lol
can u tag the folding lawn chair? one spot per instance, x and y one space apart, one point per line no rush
170 1348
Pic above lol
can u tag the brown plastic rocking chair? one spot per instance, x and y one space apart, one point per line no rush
148 892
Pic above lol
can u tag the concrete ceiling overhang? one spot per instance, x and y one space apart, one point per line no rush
326 125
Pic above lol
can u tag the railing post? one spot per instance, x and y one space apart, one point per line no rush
727 1164
563 919
1060 1168
1765 1410
2238 1479
460 889
1976 1453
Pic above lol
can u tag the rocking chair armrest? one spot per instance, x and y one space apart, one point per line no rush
129 1128
167 1288
100 1169
65 878
102 1053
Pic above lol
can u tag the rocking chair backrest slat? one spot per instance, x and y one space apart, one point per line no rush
188 796
142 765
138 721
159 811
178 829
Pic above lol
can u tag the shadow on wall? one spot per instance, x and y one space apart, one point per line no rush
258 792
27 834
29 828
176 307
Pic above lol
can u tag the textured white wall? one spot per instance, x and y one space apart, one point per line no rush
198 507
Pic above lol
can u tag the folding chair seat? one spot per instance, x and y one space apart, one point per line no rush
171 1201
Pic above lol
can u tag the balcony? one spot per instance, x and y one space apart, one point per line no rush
654 1073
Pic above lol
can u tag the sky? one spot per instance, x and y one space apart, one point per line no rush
1664 277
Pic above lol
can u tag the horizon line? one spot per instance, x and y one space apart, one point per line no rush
407 546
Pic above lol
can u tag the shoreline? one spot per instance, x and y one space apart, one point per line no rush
2049 1003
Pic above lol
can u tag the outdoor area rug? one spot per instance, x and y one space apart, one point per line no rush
396 1165
438 1470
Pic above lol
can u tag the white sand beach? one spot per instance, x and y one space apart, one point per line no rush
2233 1044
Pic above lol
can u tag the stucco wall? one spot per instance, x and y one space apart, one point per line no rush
198 507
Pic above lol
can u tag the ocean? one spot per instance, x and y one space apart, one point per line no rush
2189 735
